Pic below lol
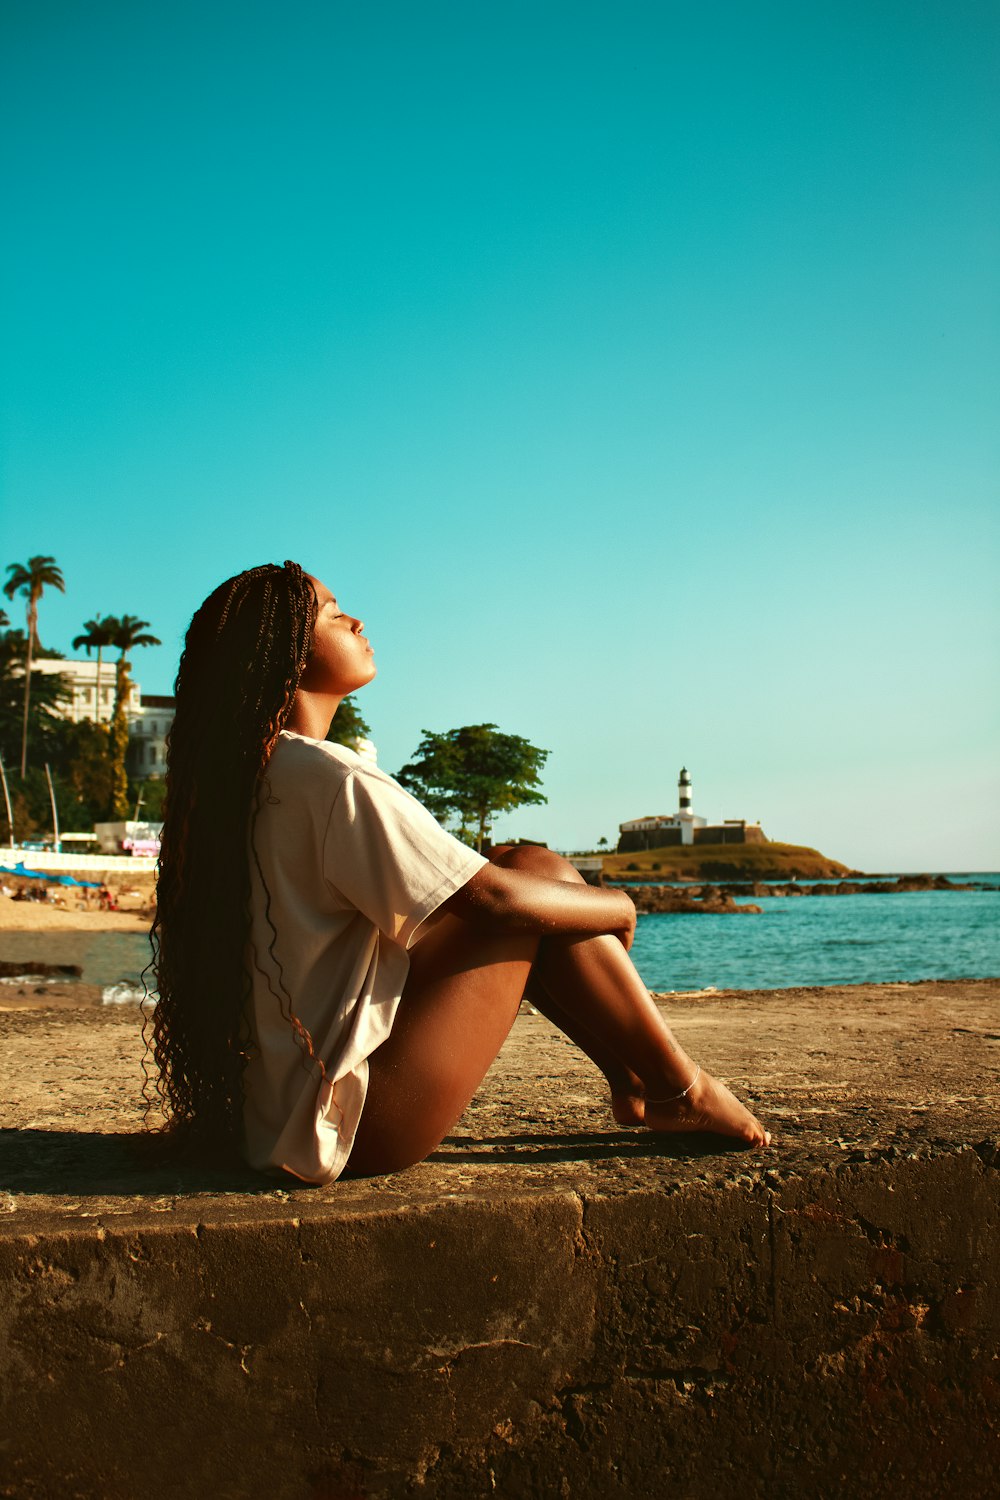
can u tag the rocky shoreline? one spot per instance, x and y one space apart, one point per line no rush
720 899
703 899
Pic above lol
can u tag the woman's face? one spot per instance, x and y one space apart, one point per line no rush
340 658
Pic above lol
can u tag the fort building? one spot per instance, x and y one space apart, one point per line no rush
660 830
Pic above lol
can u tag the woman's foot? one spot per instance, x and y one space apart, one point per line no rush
628 1096
628 1107
707 1106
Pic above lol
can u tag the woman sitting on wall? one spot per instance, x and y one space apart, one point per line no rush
335 972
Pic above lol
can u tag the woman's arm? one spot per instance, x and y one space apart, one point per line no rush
519 901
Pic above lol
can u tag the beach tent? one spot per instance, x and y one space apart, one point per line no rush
25 874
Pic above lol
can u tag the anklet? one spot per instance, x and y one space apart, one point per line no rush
674 1097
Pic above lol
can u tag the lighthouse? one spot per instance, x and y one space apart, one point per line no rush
663 830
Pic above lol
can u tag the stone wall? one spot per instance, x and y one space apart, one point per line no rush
551 1305
835 1335
730 833
665 838
648 838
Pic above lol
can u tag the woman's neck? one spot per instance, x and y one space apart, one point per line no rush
312 714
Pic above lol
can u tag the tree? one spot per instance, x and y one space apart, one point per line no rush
51 693
78 754
348 725
31 579
473 773
99 633
130 632
149 796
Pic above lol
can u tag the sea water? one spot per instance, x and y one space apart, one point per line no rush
796 940
826 940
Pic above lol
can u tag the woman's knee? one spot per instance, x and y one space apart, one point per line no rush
537 860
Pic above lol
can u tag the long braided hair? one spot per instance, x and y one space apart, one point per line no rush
243 657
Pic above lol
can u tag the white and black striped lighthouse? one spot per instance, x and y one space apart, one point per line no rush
684 791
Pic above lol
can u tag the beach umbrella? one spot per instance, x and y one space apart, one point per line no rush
21 869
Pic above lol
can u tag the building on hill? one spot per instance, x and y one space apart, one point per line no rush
661 830
150 715
88 698
147 734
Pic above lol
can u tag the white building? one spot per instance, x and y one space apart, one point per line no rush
147 735
683 818
90 700
149 715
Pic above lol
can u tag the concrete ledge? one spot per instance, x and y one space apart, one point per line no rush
550 1306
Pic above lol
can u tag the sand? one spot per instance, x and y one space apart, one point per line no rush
39 916
69 910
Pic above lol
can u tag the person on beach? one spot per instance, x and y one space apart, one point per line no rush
335 972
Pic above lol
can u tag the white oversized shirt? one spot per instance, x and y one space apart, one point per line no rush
345 866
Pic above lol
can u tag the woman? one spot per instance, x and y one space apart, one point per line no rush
336 973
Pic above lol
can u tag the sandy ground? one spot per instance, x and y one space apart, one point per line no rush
69 909
841 1076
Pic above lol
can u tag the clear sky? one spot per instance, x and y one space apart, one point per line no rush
631 368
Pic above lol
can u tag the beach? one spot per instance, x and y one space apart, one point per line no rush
70 912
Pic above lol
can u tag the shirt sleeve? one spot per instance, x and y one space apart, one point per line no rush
386 855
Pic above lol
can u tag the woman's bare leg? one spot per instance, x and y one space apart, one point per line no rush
616 1021
627 1093
462 994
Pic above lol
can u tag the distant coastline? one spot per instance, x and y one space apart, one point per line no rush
724 862
653 896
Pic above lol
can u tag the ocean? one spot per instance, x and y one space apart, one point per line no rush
803 940
827 940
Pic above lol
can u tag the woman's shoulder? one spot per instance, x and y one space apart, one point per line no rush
297 755
307 773
300 764
300 753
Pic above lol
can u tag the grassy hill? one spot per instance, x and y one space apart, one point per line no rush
723 862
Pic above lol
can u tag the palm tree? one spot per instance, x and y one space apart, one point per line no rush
31 580
99 633
129 632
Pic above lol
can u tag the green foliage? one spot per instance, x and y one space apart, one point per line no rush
473 773
98 634
30 581
118 798
87 760
77 755
127 633
80 767
152 794
348 725
49 693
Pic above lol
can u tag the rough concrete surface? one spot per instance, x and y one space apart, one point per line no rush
551 1305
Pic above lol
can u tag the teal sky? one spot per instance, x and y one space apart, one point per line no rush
631 368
